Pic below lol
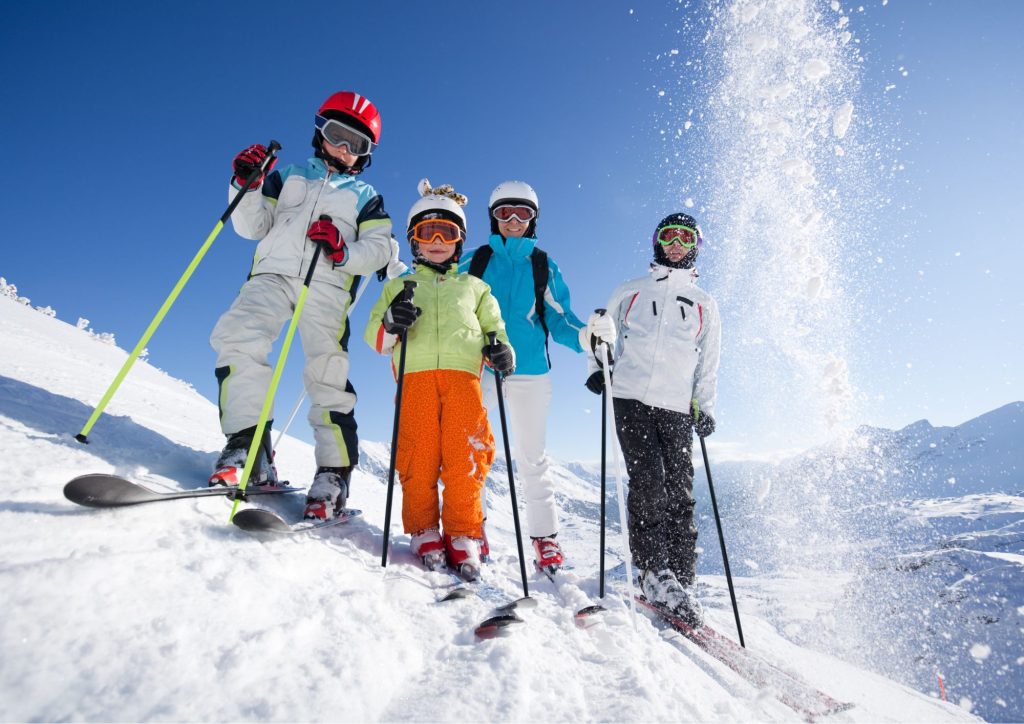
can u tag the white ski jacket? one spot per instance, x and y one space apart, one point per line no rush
669 334
279 215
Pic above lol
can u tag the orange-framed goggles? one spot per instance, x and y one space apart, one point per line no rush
430 230
682 235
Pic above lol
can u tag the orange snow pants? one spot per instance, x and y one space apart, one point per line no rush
443 433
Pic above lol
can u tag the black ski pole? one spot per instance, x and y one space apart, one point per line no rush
407 292
721 541
604 458
83 436
604 478
493 336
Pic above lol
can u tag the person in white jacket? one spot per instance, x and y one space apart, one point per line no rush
663 332
323 202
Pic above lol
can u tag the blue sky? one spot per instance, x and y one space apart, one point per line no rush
121 120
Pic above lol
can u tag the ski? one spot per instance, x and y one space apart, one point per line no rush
586 613
787 688
99 490
261 520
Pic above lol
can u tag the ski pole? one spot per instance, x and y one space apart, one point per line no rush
604 459
382 273
83 436
498 377
302 395
407 292
604 456
721 541
623 518
268 400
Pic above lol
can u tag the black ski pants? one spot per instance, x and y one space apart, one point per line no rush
658 445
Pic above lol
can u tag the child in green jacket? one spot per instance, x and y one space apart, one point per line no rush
443 431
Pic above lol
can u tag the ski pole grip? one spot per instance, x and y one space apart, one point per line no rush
607 352
492 337
272 148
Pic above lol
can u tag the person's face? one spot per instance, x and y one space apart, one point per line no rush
341 153
513 228
437 251
675 252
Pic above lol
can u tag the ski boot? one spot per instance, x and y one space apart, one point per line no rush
429 548
463 556
548 554
328 493
663 589
229 466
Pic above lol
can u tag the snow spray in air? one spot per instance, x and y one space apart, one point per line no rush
780 191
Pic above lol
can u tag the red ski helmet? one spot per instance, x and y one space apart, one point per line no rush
355 110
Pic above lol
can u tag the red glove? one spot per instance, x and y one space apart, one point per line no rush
248 161
324 232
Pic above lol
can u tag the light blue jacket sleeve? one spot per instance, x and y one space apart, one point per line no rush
558 315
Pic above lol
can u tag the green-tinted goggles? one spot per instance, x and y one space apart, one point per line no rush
682 235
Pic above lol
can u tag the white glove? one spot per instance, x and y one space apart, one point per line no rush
601 327
395 266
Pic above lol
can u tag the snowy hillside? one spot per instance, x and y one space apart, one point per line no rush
166 612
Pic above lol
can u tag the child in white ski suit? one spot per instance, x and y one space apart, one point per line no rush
665 371
322 202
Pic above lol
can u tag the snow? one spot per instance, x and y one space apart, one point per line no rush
166 612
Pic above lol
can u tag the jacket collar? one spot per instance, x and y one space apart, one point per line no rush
512 248
672 275
321 168
422 268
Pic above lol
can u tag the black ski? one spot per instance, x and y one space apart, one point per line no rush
100 490
502 617
568 591
261 520
787 688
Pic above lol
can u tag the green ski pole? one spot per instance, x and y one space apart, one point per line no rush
151 329
268 401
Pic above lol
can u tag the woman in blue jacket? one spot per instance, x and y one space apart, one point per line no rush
534 301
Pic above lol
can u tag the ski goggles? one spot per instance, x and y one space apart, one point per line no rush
682 235
429 230
506 212
337 133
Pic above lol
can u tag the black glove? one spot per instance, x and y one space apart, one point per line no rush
595 383
705 424
500 357
401 315
248 161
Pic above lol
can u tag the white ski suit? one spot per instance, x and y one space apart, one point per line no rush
668 343
279 216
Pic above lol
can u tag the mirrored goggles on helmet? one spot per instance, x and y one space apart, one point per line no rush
426 231
337 133
682 235
505 212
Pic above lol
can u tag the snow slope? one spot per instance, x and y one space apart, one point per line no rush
165 612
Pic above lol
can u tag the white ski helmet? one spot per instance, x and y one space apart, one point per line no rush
441 202
446 206
514 192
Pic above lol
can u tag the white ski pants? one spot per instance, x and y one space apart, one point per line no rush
243 338
527 398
